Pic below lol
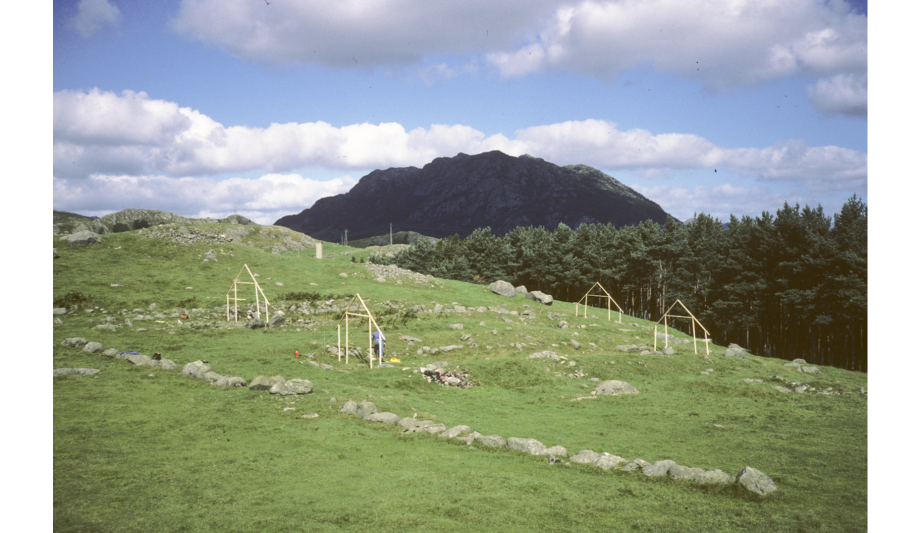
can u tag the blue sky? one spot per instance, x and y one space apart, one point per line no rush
210 107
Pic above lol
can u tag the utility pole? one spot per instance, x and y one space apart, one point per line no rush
391 234
346 237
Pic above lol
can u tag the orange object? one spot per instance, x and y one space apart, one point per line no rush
296 354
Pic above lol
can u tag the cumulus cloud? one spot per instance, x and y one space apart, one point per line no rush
92 15
843 94
103 133
356 34
723 43
719 201
264 200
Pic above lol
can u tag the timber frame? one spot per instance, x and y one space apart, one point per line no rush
371 325
606 296
236 299
693 324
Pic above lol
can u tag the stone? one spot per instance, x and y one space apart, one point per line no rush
214 377
108 327
810 370
60 310
349 408
608 461
531 446
781 388
276 321
658 468
75 371
734 350
614 387
254 323
585 456
455 326
75 342
293 387
455 431
494 441
635 464
196 369
83 238
520 289
503 288
556 451
138 359
668 351
755 481
165 364
211 255
365 409
679 472
539 297
713 477
93 347
546 354
111 352
435 429
387 418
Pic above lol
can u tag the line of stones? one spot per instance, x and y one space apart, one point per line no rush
748 478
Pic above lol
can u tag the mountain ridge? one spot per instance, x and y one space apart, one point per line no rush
459 194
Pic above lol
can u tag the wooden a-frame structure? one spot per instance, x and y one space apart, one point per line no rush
236 299
606 296
693 323
371 325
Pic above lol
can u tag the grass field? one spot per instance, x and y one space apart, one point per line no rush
144 449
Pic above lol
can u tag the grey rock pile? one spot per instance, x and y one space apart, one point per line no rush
436 373
749 479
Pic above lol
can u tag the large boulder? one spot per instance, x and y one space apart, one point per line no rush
349 408
539 297
531 446
83 238
658 468
585 456
196 369
365 409
276 321
75 342
293 387
387 418
713 477
455 431
495 441
503 288
734 350
614 387
608 461
755 481
93 347
254 323
556 451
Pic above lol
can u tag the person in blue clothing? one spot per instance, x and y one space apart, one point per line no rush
379 342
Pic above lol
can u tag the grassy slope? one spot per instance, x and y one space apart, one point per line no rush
141 449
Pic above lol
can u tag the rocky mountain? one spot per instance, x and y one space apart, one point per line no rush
459 194
130 219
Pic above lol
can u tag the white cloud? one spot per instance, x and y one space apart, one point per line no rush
103 133
264 200
356 34
845 94
92 15
722 43
719 201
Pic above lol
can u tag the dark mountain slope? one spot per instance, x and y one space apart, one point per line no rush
459 194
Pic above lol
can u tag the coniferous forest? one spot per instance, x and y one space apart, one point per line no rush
789 285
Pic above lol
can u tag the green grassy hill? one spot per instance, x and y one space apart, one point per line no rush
138 448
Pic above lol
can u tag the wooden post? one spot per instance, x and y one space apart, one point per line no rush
228 306
370 343
693 328
655 338
666 330
346 336
338 328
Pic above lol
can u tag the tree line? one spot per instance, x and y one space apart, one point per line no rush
789 285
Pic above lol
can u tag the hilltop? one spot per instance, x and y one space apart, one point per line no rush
456 195
131 219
